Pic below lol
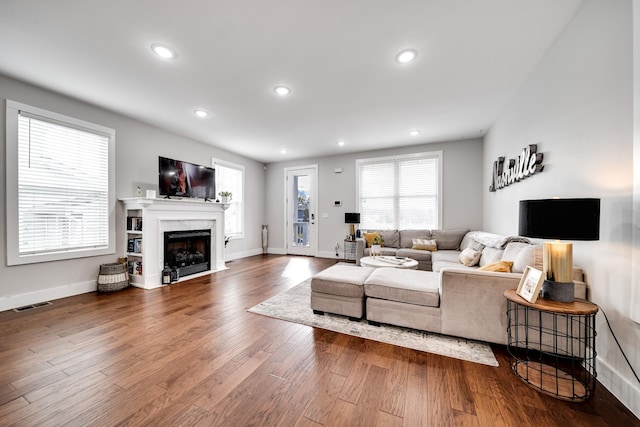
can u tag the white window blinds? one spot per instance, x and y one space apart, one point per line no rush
63 187
400 192
231 178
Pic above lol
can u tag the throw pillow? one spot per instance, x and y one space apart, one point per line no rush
522 255
370 237
490 255
500 267
449 239
469 257
425 245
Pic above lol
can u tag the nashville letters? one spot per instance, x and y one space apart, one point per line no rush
526 164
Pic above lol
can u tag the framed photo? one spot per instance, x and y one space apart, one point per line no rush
530 284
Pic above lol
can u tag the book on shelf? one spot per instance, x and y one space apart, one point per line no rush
134 245
134 223
135 268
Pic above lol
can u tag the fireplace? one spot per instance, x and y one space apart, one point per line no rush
189 251
160 216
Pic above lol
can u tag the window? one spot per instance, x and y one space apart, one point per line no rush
230 178
400 192
60 180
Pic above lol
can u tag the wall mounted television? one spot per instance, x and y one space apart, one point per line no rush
183 179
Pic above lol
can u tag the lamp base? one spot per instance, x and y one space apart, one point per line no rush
558 291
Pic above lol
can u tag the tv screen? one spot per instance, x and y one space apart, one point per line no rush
184 179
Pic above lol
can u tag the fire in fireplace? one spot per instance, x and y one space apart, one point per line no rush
189 252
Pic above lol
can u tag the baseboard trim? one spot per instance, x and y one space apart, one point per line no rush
324 254
626 392
244 254
331 255
20 300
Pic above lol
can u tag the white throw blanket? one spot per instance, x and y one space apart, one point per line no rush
495 240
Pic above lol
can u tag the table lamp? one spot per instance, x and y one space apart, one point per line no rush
352 218
560 219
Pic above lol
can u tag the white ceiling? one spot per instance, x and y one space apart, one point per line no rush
337 56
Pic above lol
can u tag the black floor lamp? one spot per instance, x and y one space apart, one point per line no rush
560 219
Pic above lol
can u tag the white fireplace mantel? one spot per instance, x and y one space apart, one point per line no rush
161 215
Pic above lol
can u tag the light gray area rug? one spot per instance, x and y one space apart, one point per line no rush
293 305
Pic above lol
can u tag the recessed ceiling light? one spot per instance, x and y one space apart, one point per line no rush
341 143
201 113
414 132
162 51
282 90
283 151
406 56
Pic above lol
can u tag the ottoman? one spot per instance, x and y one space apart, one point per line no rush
339 290
409 298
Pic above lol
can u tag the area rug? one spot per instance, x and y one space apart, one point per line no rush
293 306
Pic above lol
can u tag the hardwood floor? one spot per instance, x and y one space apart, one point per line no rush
190 354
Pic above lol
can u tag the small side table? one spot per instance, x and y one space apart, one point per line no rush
553 345
350 247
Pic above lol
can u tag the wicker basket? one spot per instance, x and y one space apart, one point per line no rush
113 277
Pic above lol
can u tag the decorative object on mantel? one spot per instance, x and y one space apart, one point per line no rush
567 219
526 164
225 196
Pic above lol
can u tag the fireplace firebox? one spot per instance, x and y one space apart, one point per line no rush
188 251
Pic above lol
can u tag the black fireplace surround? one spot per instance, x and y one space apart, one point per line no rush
189 252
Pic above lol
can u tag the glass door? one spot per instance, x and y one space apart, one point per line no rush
301 213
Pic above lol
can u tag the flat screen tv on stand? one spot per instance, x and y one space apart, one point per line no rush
178 179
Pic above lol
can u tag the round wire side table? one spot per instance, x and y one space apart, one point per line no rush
553 345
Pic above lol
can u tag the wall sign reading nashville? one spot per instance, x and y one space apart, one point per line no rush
526 164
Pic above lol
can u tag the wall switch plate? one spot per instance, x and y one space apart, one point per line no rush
337 170
337 203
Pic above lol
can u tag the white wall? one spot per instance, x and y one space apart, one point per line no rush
577 106
462 176
635 291
137 149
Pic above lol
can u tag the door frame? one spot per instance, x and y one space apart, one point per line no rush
313 234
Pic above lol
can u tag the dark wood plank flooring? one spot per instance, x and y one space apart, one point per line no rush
190 354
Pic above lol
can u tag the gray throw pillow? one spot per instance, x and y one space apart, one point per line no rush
449 239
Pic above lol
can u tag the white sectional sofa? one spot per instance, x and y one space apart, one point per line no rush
453 299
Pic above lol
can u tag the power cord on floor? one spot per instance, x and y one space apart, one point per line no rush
619 346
